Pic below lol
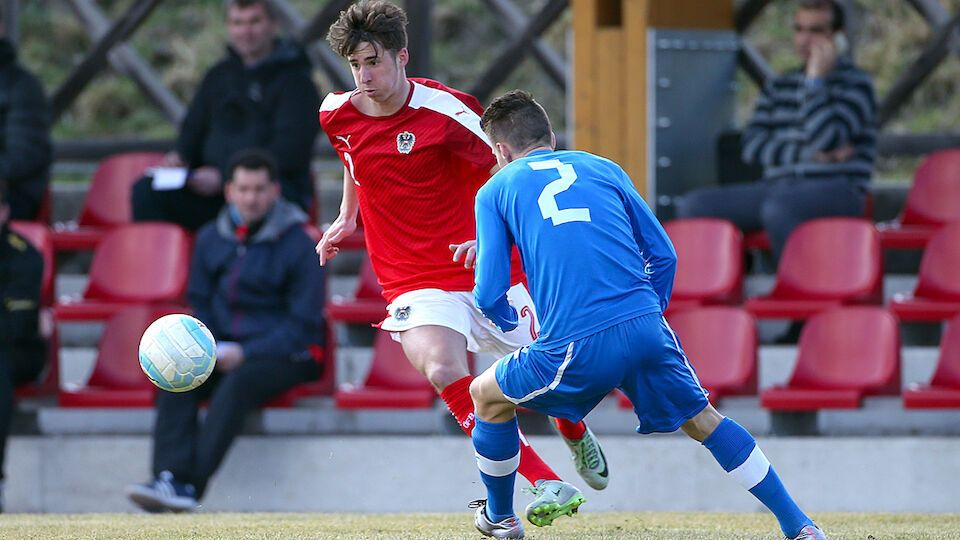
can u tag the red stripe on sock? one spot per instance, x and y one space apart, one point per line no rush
571 430
458 400
531 466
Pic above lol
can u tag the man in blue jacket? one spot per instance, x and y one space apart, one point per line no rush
255 282
601 271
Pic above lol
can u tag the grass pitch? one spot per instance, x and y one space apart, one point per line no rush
607 526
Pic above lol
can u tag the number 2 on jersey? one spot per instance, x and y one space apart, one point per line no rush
548 200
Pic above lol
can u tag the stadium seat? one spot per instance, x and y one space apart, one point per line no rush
937 293
107 203
38 234
709 262
391 383
137 263
943 391
117 380
367 304
721 343
760 241
933 201
843 355
826 263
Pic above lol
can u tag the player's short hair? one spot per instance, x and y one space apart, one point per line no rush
517 119
268 6
254 159
378 22
837 23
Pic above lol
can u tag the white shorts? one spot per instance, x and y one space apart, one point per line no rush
456 310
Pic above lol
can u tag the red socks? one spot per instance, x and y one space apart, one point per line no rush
570 430
458 400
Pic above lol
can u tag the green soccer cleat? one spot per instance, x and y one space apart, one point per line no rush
555 498
588 458
510 527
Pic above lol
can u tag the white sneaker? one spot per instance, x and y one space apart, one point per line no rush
163 494
810 532
510 527
555 498
588 458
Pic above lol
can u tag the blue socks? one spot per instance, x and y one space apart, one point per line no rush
498 455
737 452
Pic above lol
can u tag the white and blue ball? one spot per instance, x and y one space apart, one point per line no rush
177 352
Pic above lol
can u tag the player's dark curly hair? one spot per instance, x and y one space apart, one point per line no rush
377 22
517 119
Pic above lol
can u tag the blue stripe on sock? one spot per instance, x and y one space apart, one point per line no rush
731 445
497 442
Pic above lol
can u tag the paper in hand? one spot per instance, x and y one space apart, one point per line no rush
168 178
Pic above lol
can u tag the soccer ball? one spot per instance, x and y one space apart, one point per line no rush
177 352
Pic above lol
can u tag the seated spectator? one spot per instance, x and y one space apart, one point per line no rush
25 149
255 282
22 349
814 132
260 95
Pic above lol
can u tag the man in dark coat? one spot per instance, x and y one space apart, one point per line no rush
25 149
255 282
22 349
259 95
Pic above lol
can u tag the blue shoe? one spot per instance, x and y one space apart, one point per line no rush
164 494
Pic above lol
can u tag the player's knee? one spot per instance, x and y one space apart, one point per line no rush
442 374
477 391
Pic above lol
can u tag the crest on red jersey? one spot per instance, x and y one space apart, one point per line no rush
405 142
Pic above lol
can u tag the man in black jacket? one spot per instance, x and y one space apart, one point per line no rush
255 282
22 350
259 95
25 149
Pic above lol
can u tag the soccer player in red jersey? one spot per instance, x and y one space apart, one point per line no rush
414 157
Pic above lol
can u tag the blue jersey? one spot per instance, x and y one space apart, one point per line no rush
594 253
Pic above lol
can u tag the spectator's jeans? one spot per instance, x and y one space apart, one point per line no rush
192 450
776 206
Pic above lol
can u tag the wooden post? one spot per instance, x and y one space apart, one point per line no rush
610 71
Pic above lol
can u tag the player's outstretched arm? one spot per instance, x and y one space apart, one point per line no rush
492 272
344 225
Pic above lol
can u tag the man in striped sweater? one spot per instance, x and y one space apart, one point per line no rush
813 131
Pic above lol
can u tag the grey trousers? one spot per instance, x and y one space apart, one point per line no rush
775 206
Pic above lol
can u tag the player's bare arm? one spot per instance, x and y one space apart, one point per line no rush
344 225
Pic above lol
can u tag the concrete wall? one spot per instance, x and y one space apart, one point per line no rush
437 474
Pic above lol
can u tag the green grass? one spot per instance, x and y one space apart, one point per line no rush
607 526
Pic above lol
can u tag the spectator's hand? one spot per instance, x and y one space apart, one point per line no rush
467 250
837 155
823 56
341 228
229 356
172 159
205 181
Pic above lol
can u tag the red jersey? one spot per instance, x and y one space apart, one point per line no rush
417 173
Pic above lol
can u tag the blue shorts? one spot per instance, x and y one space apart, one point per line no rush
641 356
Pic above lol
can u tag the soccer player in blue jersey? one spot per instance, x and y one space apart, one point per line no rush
601 271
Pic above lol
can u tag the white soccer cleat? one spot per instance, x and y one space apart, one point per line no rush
810 532
510 527
555 498
588 458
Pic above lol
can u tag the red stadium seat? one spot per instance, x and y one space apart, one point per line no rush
843 355
117 380
107 203
391 383
826 263
937 294
367 304
138 263
721 343
38 234
933 201
943 392
709 262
